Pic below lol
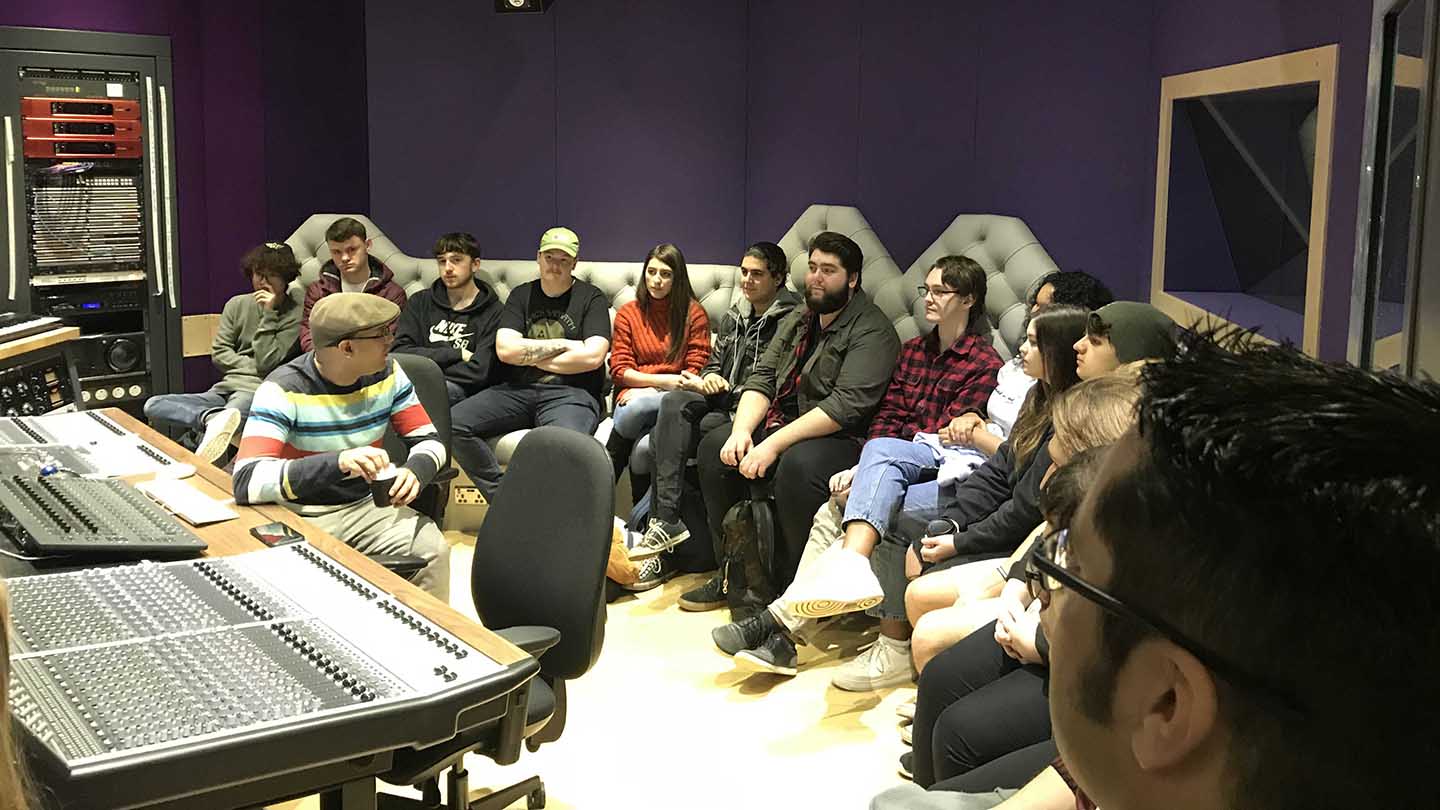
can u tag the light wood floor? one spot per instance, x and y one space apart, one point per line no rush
664 721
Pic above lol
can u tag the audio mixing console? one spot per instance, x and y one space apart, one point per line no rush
151 679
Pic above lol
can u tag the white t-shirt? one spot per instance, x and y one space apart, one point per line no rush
346 286
1011 386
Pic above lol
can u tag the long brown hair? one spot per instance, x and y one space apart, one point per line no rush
681 294
14 785
1056 330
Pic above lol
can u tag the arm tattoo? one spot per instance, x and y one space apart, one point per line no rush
540 351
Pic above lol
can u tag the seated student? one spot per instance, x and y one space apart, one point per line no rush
806 405
454 324
1123 332
768 638
553 336
351 269
1069 287
705 400
312 442
657 339
1243 610
257 332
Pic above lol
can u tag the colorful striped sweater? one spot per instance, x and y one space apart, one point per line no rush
300 422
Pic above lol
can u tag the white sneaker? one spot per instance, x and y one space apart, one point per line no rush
841 583
884 664
219 428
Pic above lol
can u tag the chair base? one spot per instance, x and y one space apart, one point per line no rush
457 784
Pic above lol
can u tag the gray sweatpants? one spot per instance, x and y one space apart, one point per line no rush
371 529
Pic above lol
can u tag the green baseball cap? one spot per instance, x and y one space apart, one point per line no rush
561 239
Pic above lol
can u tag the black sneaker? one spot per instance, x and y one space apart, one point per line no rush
776 655
659 537
742 635
654 572
709 596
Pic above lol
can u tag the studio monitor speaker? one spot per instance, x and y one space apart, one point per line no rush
522 6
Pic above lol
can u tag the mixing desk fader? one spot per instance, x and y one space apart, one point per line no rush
256 661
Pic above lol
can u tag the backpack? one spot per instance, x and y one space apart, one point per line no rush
747 552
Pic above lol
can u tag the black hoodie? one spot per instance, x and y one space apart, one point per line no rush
430 326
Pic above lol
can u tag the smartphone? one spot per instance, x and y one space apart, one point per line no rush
276 534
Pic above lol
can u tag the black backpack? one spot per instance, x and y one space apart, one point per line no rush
747 553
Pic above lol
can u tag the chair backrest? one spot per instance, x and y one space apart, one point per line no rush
540 555
429 384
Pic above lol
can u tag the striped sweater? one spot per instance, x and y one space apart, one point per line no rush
300 422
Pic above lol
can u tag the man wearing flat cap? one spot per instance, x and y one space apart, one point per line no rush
313 440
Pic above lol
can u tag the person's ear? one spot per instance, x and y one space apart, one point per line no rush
369 243
1175 703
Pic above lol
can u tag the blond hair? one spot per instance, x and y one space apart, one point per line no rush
1096 412
14 786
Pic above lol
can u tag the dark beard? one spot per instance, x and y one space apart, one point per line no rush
829 302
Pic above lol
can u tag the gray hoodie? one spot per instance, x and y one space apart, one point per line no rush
743 336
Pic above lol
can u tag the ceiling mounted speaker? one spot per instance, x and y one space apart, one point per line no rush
522 6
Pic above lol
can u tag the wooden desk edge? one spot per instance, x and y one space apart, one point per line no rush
37 341
233 537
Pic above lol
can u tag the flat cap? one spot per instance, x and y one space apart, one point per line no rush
340 315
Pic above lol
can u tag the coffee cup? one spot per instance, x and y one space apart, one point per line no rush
381 483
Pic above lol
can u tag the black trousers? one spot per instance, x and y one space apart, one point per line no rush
673 442
975 706
801 478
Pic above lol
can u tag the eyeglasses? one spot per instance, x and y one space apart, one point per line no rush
936 292
1045 572
385 336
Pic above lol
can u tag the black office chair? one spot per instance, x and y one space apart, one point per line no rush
429 384
538 581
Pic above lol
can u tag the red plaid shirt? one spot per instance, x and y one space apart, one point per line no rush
775 416
930 387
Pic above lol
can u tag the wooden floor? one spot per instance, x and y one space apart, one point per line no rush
664 721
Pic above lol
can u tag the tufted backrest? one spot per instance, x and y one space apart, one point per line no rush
878 268
1013 260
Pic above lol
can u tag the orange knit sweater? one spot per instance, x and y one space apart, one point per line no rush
640 341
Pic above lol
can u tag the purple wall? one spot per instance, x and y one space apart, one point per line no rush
1192 36
616 119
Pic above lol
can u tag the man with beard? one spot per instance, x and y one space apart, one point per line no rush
804 410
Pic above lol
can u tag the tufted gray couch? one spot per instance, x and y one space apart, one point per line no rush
1004 246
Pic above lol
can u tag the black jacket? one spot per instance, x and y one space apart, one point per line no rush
742 339
429 326
995 507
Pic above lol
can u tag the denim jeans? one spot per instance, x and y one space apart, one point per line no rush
887 469
635 416
189 410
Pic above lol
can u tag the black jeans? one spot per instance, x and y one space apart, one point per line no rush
673 442
974 706
801 478
502 408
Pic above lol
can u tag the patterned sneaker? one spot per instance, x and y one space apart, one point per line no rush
842 582
906 735
884 664
906 710
776 655
659 536
709 596
745 634
654 572
219 428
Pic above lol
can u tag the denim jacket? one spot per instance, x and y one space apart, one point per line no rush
847 372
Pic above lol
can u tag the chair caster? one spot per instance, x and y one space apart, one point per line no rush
532 746
536 799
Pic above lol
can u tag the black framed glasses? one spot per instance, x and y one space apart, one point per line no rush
385 336
937 293
1046 572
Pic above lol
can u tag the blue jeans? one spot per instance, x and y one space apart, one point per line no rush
635 416
887 469
189 410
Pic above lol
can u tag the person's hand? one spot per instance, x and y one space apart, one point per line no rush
840 481
1015 596
960 429
714 384
690 381
758 461
735 449
364 461
1016 634
934 548
671 382
465 355
406 487
265 298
